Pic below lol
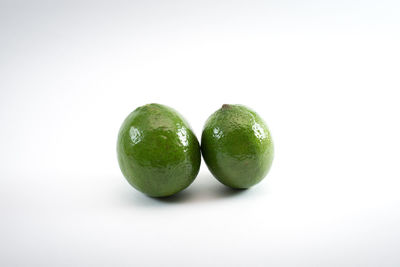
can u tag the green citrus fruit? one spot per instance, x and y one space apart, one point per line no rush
157 151
237 146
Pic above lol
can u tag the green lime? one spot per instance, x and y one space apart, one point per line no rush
237 146
157 151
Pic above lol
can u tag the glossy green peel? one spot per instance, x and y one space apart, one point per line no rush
158 153
237 146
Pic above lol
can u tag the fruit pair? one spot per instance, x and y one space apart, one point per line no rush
159 154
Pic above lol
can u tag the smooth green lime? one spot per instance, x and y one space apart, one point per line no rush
157 151
237 146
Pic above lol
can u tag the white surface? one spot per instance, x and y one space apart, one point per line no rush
323 74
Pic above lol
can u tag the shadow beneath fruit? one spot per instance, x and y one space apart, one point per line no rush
204 189
176 198
228 191
198 194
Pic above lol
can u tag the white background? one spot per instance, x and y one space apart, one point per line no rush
324 75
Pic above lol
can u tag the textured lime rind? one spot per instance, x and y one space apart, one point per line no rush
237 146
157 151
